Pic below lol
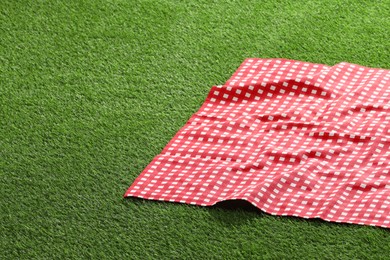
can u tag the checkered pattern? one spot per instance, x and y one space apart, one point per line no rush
292 138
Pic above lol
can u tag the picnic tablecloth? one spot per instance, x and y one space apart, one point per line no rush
293 138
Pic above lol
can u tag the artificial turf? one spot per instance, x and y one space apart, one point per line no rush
92 90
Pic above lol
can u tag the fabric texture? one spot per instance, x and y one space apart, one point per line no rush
292 138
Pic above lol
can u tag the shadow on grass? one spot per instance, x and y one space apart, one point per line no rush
235 212
240 205
226 213
238 212
246 207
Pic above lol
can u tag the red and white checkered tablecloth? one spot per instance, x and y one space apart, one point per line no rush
293 138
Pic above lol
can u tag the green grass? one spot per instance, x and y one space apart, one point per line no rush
91 91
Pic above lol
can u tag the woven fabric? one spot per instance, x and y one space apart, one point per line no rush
292 138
